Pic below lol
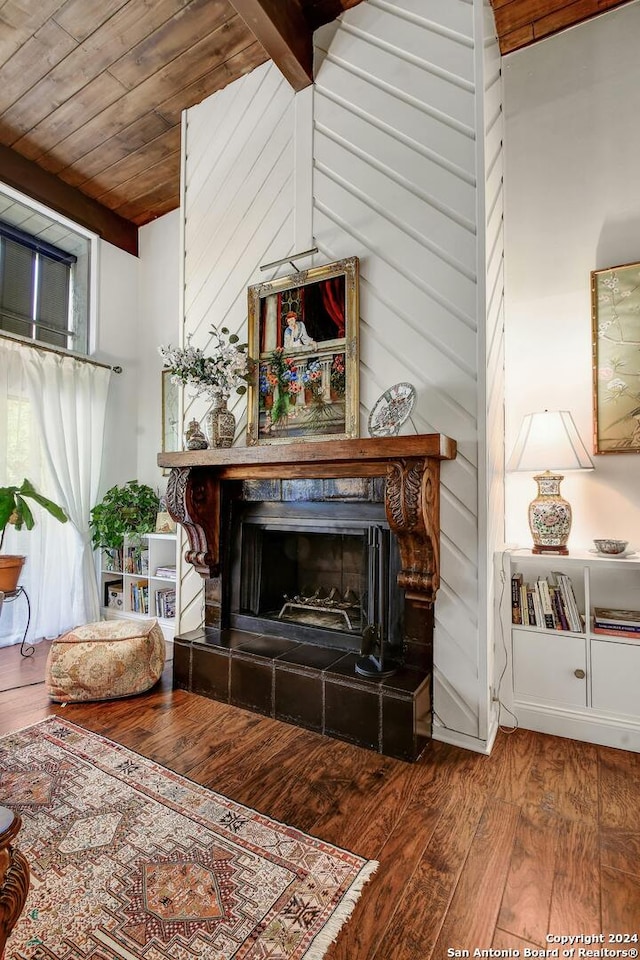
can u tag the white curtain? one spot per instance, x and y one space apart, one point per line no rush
58 446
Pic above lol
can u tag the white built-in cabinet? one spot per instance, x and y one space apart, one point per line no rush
581 685
139 581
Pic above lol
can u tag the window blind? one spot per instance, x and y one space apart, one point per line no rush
35 288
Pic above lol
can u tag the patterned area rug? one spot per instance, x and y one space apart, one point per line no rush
132 861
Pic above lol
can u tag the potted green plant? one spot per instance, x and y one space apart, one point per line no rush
15 510
129 509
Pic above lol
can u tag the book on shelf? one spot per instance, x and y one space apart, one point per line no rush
559 614
524 607
542 586
516 609
615 631
166 604
136 561
616 627
606 617
537 607
140 596
532 613
166 572
569 601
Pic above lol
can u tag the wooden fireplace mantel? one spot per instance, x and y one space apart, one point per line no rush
410 464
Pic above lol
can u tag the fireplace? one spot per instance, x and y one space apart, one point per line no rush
318 572
321 566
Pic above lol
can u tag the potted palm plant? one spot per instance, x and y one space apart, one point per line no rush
15 510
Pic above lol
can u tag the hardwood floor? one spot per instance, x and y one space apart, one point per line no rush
542 837
18 671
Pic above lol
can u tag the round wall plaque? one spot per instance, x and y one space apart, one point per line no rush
391 410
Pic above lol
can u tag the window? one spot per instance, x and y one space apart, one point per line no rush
35 289
44 277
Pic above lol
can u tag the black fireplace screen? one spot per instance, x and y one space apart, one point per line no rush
314 578
322 582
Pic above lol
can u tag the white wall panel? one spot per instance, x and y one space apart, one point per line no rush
409 122
118 342
396 161
443 95
493 348
238 203
158 323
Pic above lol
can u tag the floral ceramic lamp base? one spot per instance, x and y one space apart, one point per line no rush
549 516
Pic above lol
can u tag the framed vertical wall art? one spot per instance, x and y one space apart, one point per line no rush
615 312
303 342
170 437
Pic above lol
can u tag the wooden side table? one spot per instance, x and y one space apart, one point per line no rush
14 875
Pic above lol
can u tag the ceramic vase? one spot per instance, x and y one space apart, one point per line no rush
220 424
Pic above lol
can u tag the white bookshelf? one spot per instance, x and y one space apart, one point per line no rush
582 685
140 582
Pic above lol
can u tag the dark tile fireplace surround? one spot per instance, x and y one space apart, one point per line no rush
270 527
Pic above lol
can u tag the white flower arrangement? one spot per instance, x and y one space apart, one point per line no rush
215 376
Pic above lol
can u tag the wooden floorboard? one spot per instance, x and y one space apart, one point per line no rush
474 852
18 671
526 900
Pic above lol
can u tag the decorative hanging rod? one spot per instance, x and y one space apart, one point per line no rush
290 259
60 353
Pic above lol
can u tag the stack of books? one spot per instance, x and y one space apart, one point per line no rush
617 623
140 596
166 572
549 603
166 604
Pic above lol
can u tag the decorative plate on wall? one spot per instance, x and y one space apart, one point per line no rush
391 410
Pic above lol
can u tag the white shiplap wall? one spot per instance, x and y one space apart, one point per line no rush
239 212
491 343
395 161
395 183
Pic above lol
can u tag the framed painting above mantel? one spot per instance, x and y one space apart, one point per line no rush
615 313
303 341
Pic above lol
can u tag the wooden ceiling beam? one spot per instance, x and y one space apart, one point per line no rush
283 31
34 182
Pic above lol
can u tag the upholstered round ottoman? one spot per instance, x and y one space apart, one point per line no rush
105 660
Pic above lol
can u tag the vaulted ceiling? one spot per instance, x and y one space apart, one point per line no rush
92 91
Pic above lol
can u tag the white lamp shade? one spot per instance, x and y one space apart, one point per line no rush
549 441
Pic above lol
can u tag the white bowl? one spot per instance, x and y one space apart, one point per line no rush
611 546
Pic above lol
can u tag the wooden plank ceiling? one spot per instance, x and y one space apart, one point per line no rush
520 23
92 91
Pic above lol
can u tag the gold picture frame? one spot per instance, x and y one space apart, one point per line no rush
615 315
170 436
303 344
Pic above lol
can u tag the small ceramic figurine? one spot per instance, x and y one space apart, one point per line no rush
194 437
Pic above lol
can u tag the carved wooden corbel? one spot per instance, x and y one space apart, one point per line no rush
193 500
412 501
14 875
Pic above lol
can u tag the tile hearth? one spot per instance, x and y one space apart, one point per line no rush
308 685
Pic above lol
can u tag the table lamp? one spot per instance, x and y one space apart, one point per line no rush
548 442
